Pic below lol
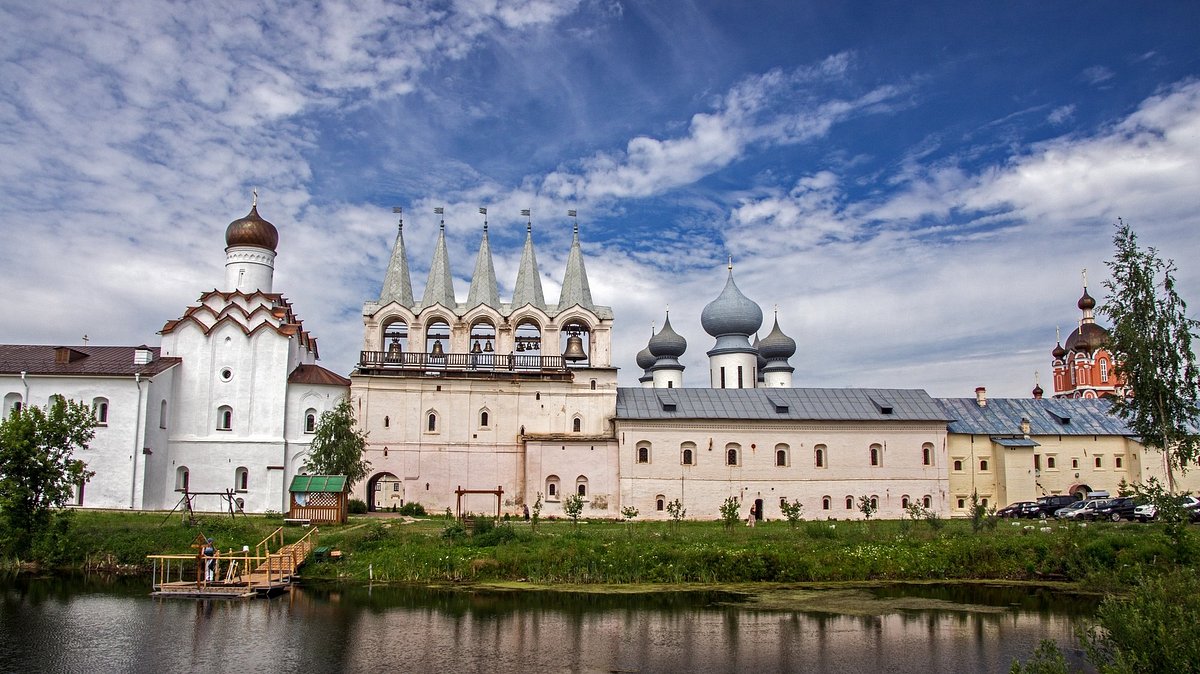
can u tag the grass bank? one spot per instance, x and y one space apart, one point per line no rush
1099 555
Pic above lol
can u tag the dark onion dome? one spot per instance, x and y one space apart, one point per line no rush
776 345
1087 302
645 359
1058 351
1087 337
667 343
1037 391
732 313
252 230
762 360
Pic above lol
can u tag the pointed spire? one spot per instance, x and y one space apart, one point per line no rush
483 281
575 288
528 289
397 284
439 289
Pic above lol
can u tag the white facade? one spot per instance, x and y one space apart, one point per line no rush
223 411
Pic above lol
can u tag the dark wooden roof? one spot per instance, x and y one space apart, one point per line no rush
315 374
112 361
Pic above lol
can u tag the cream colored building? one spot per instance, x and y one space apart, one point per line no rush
1017 449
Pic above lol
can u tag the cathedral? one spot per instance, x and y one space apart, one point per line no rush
490 405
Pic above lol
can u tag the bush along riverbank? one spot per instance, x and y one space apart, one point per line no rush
1098 556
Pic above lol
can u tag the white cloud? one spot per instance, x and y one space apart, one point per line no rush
1061 114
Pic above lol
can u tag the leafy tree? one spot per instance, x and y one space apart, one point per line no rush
866 506
677 512
37 471
1151 344
573 506
730 512
792 510
629 512
337 446
535 514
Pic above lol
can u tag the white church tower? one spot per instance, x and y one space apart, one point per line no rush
248 392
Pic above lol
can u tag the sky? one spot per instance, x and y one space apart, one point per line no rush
914 188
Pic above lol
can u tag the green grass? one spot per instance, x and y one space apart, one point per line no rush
1100 556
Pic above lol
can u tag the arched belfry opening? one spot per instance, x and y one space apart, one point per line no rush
527 340
395 340
482 345
575 344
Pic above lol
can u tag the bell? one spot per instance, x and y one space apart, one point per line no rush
437 349
487 347
520 346
574 350
394 347
475 348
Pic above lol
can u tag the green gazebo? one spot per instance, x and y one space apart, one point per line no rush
319 498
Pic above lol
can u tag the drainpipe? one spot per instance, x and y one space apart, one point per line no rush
25 402
137 434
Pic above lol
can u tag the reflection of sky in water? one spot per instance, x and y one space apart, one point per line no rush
416 630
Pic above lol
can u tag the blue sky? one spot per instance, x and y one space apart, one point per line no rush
915 186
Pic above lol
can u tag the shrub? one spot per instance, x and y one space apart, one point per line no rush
494 536
357 507
454 532
413 509
730 512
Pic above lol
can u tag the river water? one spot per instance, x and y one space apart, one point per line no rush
76 625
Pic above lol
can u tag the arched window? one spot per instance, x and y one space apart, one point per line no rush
12 403
593 384
484 418
100 410
552 488
1117 461
819 452
826 503
688 453
781 455
181 478
983 464
162 414
958 464
904 501
576 425
1049 461
387 421
581 486
537 395
849 503
876 455
874 502
241 479
731 454
927 454
660 502
310 421
224 418
927 501
431 422
1103 371
1099 462
643 452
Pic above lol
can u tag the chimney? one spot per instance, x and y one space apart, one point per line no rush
1025 427
981 396
142 355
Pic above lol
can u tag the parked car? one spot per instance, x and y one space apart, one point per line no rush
1083 510
1020 509
1120 508
1148 511
1049 505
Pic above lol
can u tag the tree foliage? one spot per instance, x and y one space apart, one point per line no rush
1151 343
573 508
337 446
792 510
866 506
37 470
730 510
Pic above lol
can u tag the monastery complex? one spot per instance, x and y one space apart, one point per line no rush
520 396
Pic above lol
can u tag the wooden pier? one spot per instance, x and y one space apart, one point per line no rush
244 573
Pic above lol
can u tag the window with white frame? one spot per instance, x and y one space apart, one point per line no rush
224 418
100 411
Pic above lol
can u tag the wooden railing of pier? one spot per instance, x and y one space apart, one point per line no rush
236 573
